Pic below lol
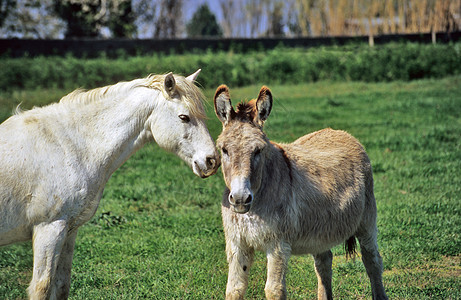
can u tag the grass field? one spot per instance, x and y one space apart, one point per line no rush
158 234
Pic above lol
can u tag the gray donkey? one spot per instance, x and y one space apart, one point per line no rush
298 198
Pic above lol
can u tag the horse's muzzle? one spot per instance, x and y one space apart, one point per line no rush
208 168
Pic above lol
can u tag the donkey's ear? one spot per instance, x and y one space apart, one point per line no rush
222 104
263 105
192 77
170 84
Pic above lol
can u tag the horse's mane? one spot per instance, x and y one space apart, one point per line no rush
189 92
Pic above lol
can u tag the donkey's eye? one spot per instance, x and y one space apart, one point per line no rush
184 118
224 151
257 152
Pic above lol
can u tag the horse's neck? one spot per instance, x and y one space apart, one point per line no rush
111 130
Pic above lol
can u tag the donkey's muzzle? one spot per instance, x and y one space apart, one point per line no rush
241 205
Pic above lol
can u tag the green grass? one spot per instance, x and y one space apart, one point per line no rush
158 234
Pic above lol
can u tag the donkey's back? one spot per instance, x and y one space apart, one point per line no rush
332 189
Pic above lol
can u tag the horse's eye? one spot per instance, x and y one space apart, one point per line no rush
224 151
184 118
257 152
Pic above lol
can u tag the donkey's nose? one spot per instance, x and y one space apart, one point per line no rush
240 203
248 199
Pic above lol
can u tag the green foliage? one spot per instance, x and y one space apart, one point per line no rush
5 8
203 23
86 18
121 19
158 233
281 65
80 17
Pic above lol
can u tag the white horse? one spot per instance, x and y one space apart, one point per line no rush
56 160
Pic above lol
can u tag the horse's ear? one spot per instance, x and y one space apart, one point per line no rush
263 105
170 84
222 104
192 77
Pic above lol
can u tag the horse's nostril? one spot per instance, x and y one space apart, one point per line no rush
248 199
210 162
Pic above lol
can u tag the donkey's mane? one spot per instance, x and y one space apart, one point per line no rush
246 111
189 92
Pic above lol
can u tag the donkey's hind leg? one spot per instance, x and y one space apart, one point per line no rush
323 262
372 261
47 243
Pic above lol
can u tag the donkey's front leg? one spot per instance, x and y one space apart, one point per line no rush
47 242
240 260
323 262
277 263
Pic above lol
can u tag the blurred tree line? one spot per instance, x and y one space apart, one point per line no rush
238 18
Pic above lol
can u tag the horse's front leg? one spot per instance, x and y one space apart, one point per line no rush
47 242
62 282
240 260
277 263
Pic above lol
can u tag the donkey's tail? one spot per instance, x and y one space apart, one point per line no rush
350 247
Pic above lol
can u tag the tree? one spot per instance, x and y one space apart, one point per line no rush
32 19
227 7
234 20
169 22
121 19
86 18
254 15
275 19
203 23
5 8
146 15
